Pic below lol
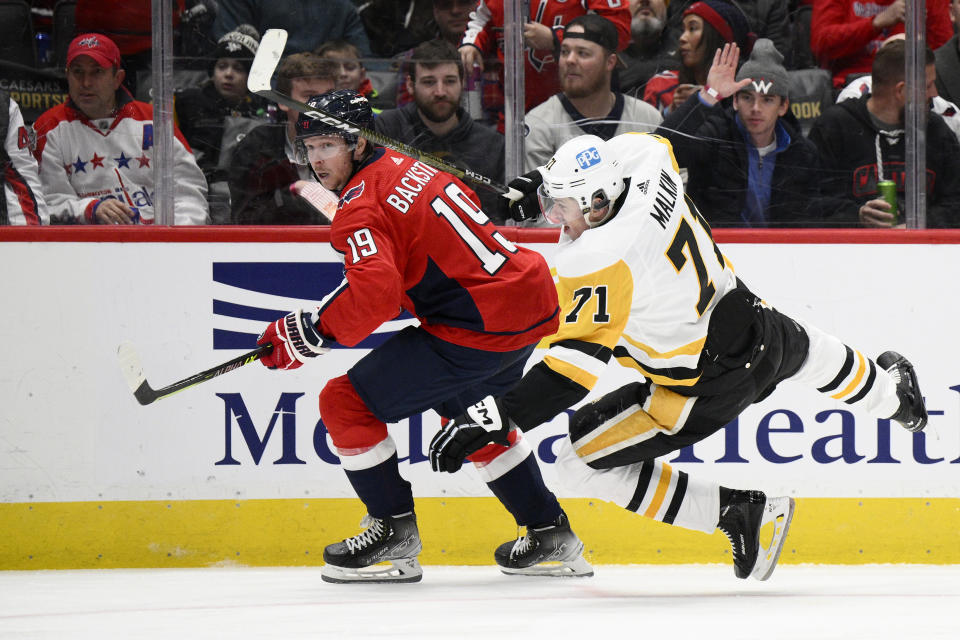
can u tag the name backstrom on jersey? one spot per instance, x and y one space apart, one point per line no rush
411 184
781 437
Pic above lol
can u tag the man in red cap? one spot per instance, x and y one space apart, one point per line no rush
96 149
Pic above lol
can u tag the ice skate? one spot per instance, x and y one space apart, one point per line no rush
362 558
912 413
742 519
552 549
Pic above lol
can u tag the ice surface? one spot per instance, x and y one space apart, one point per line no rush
675 602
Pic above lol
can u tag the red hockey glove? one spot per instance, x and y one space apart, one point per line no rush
294 340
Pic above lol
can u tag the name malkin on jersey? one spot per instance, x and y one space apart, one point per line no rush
665 199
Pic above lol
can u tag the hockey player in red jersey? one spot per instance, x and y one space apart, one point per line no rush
413 238
542 35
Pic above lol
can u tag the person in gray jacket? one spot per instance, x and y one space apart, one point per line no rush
436 123
586 103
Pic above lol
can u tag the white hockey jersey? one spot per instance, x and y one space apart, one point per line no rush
82 162
23 202
644 284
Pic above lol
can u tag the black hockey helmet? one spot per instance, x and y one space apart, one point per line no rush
343 103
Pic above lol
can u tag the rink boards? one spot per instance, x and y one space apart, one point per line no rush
240 469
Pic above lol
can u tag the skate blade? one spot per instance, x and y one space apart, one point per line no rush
576 568
400 570
779 512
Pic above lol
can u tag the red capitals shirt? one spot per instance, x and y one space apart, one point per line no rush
414 238
485 31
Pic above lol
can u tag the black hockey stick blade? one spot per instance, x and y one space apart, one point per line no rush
132 370
269 52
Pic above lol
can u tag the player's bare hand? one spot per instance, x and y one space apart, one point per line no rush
113 211
723 72
893 14
470 57
876 213
537 36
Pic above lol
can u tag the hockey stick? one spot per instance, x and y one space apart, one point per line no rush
133 372
265 62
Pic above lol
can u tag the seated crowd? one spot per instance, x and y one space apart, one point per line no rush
782 113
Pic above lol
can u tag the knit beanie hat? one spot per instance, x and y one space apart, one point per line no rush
727 19
241 44
765 68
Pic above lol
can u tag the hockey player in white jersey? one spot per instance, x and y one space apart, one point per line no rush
641 280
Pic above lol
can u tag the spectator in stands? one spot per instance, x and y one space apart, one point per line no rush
450 18
128 24
263 169
21 198
862 142
707 26
651 50
542 36
586 104
846 34
435 122
308 24
394 26
947 110
948 60
95 150
748 164
766 18
351 73
217 115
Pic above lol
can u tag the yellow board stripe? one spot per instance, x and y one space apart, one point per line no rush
455 531
662 486
861 368
583 378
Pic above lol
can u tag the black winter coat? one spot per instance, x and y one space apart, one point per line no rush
200 114
708 142
849 144
948 70
260 179
468 145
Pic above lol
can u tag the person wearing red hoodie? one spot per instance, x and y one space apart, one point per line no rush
846 34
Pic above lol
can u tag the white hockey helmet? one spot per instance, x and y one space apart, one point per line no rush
582 169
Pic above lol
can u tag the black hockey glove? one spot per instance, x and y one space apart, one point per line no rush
482 424
527 206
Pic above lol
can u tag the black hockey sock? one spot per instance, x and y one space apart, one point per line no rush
382 489
524 494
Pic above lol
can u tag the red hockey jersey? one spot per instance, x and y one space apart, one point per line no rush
414 238
485 31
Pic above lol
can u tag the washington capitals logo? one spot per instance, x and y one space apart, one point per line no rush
89 42
351 194
762 86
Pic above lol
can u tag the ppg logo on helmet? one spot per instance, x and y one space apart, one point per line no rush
588 158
